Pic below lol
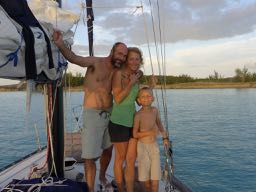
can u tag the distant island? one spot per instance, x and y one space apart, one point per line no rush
197 85
189 85
14 87
243 79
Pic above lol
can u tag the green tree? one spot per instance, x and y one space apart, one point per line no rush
74 81
242 75
253 76
215 77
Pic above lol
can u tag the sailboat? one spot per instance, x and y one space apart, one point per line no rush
28 66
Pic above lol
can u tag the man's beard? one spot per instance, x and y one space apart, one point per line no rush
117 63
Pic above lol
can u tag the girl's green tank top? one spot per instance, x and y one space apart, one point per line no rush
123 113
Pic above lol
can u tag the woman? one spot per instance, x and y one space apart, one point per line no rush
125 89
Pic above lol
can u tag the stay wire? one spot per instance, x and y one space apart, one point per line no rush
156 47
163 69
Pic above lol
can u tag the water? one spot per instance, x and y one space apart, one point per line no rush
213 134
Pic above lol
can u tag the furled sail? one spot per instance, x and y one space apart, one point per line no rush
26 49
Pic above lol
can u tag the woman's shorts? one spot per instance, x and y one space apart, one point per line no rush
119 133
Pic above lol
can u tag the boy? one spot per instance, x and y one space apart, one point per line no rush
146 126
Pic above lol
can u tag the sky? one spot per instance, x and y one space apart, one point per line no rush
192 37
198 36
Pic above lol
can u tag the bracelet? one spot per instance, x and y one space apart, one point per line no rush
164 138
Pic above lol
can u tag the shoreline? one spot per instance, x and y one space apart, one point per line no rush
190 85
211 85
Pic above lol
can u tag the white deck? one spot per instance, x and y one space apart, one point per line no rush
22 169
110 176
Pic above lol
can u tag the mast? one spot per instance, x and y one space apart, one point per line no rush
57 128
90 19
58 118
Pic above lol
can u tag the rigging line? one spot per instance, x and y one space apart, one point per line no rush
164 41
137 7
158 60
165 95
113 7
50 120
84 15
149 50
146 34
165 77
90 27
147 38
81 12
154 32
164 104
56 15
90 31
46 115
143 66
37 137
160 32
36 168
163 68
165 74
47 103
156 47
66 104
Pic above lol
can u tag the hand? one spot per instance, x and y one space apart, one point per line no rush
57 38
166 143
140 73
134 77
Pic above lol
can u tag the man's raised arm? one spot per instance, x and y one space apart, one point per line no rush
70 55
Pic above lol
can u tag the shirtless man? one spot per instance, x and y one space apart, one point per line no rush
98 101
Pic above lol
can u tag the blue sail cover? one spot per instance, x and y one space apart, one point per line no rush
26 49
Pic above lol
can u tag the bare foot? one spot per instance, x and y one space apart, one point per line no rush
103 180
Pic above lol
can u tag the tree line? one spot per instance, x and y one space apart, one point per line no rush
241 75
74 80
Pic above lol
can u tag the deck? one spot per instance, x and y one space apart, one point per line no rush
21 170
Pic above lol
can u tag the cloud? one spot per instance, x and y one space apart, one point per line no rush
201 36
180 20
99 50
222 56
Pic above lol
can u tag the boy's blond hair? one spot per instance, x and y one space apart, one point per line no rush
145 88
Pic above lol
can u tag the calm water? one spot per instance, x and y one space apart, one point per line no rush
213 134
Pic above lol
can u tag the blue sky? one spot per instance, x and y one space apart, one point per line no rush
200 36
